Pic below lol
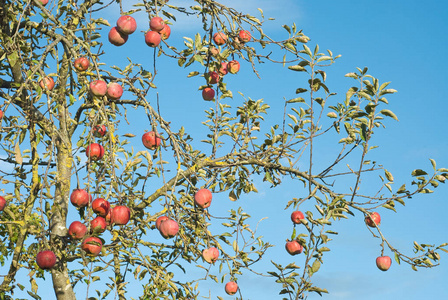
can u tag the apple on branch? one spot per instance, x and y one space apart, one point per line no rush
77 230
383 262
46 259
231 288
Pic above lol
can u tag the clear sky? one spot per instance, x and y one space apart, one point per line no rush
399 41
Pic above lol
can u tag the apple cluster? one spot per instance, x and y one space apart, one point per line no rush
159 31
118 35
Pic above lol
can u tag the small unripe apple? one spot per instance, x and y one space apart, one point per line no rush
80 198
99 130
47 83
220 38
231 288
224 68
101 207
372 219
77 230
160 220
210 255
293 247
165 32
126 24
244 36
2 203
233 66
92 246
81 63
151 140
208 94
120 215
114 91
46 259
156 24
203 198
153 38
297 217
98 225
95 151
116 37
98 88
383 262
168 228
213 77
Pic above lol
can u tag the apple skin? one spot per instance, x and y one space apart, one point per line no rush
220 38
376 219
244 36
80 198
95 151
99 131
165 32
46 259
1 114
126 24
168 228
101 207
233 66
231 288
47 83
203 198
120 215
214 51
160 220
156 24
153 38
2 203
92 246
223 70
81 63
98 88
151 140
297 217
114 91
98 225
210 255
383 262
44 2
293 247
116 37
208 94
213 77
77 230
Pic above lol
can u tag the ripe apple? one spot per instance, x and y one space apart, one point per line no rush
208 94
231 288
95 151
101 207
2 203
203 198
220 38
92 246
98 88
98 225
80 198
214 51
297 216
210 255
77 230
372 219
383 262
99 130
151 140
165 32
47 83
293 247
1 114
44 2
81 63
223 70
120 215
153 38
107 217
168 228
233 66
156 24
114 91
213 77
160 220
244 36
126 25
46 259
116 37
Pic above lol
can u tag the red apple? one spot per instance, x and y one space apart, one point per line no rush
233 66
208 94
223 70
165 32
98 225
95 151
151 140
80 198
107 217
81 63
372 219
168 228
153 38
214 51
293 247
47 83
44 2
101 207
244 36
126 24
98 88
116 37
120 215
92 246
1 114
210 255
77 230
114 91
2 203
220 38
213 77
383 262
203 198
46 259
99 130
231 288
297 217
156 24
160 220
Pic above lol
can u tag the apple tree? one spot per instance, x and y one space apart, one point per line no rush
85 200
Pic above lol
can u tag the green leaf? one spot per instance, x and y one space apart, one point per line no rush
296 100
389 113
332 115
433 162
316 266
297 68
418 172
194 73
